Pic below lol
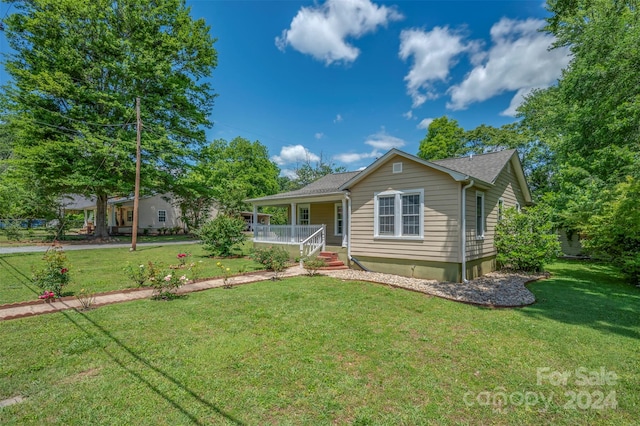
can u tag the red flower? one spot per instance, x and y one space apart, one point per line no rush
64 270
181 255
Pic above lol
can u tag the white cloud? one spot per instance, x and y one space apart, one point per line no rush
434 54
384 141
424 124
322 30
380 142
294 154
290 173
409 115
319 135
338 119
519 60
353 157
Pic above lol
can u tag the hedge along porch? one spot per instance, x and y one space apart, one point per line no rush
408 216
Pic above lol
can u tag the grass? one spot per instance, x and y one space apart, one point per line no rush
102 270
40 236
322 351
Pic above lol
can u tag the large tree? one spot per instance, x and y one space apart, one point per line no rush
444 139
229 173
77 68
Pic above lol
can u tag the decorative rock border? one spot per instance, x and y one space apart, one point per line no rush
496 289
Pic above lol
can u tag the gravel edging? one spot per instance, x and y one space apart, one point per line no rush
495 289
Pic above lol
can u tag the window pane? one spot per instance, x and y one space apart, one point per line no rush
386 214
411 214
479 218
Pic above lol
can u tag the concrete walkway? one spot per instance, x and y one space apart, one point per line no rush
37 307
69 247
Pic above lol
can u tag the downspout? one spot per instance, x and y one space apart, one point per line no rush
347 196
463 228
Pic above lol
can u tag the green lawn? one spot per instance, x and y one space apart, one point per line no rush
322 351
102 270
40 236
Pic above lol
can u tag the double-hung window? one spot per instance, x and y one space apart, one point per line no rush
399 214
339 217
162 216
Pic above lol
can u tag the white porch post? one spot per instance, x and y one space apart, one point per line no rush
255 220
345 230
293 220
85 217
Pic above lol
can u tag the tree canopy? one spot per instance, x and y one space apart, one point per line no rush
77 69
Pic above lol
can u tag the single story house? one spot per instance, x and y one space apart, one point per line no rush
404 215
156 212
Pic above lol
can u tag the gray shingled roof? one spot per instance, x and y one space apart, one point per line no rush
485 167
325 185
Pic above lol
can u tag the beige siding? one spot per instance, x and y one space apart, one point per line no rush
441 201
324 214
508 188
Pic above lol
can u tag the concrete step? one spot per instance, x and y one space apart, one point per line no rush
333 268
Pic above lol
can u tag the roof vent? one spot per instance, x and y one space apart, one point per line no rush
397 167
471 156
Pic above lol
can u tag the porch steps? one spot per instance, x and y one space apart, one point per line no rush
331 260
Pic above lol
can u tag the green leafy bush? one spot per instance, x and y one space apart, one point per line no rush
13 231
273 258
313 265
613 232
525 240
54 275
220 236
166 286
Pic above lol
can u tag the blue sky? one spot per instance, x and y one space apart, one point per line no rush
349 79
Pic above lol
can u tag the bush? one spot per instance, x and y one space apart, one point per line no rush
13 232
613 232
166 286
312 266
55 274
222 235
525 241
273 258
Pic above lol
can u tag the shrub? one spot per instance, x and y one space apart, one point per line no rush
613 230
86 299
525 241
13 232
165 287
139 274
222 235
312 266
54 275
273 258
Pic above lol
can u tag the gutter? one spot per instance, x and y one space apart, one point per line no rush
347 196
463 231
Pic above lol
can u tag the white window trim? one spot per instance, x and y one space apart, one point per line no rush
165 216
518 209
299 216
398 214
480 235
335 216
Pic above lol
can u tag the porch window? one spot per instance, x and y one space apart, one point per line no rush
304 217
162 216
129 215
479 215
399 214
500 208
339 219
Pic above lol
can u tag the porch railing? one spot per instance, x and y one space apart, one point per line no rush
312 244
284 234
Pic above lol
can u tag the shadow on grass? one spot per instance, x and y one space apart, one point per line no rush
19 276
587 294
127 364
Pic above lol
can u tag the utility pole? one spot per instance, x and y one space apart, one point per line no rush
136 194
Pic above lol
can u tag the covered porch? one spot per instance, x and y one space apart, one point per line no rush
317 217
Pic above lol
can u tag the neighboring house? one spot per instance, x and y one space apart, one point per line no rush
405 215
155 212
570 244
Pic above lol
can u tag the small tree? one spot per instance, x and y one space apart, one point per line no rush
222 235
525 241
